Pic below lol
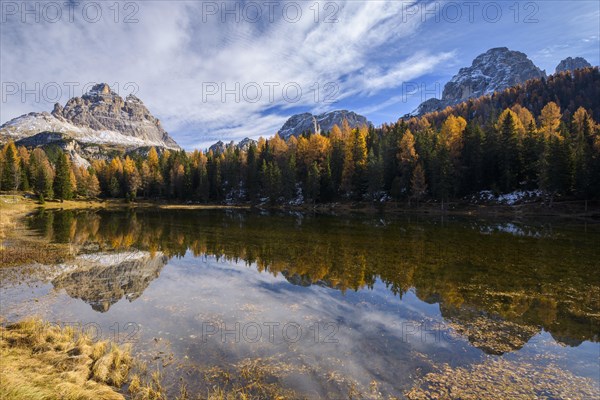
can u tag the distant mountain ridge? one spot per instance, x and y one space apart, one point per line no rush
99 117
571 64
493 71
298 124
532 95
221 147
307 122
102 118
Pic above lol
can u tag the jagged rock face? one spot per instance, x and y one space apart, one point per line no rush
571 64
495 70
307 122
221 147
296 125
428 106
99 116
70 146
245 144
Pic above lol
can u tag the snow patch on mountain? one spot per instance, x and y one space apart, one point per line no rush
100 116
493 71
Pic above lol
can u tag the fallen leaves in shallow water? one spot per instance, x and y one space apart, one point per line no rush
493 334
502 379
269 378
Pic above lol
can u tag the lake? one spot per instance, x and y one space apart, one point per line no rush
323 306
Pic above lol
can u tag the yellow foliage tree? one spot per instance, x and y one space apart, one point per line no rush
550 120
517 124
407 155
451 134
524 116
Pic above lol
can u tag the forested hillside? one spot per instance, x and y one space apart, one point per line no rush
542 135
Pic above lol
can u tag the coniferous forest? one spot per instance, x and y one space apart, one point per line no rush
543 135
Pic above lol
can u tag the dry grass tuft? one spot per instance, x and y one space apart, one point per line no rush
144 387
43 361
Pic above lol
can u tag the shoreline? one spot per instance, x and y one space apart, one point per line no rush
18 203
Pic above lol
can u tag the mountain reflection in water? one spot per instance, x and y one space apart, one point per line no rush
102 279
496 287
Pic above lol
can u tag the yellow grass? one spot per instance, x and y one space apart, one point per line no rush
43 361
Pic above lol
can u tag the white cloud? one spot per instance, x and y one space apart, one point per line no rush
171 52
174 48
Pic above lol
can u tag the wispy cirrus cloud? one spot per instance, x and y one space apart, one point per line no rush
177 50
301 55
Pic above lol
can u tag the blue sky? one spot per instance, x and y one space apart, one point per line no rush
226 70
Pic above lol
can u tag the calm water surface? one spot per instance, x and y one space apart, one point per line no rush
332 304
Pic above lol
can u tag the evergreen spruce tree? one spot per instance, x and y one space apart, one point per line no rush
407 159
327 191
42 174
473 158
252 184
374 173
313 183
509 150
418 183
288 177
531 151
555 172
582 153
63 186
11 167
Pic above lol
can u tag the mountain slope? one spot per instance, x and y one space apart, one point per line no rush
100 117
569 90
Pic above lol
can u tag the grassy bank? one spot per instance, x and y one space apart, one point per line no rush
567 208
43 361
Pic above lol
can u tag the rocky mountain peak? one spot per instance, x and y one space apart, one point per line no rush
100 90
571 64
103 279
495 70
132 99
245 143
220 147
58 109
307 122
100 116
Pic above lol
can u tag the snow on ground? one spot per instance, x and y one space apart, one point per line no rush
516 197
